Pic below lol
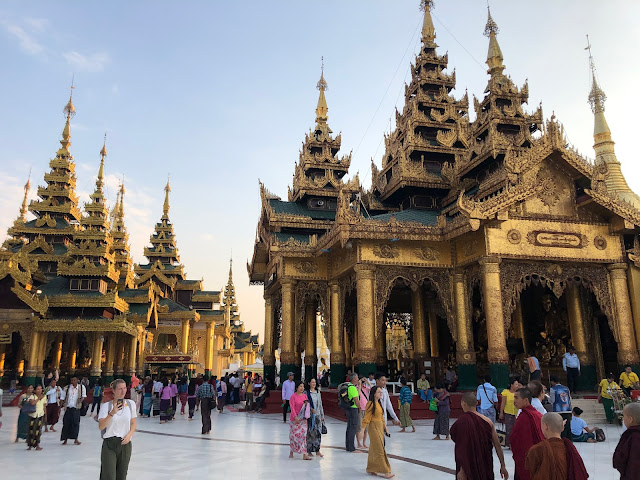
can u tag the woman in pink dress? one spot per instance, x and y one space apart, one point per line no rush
300 411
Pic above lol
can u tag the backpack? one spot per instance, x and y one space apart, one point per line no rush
600 436
343 396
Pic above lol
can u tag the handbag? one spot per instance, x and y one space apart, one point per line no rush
27 408
502 435
433 405
323 429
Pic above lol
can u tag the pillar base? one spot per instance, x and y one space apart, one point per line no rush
289 367
310 372
364 369
588 377
29 380
207 372
93 379
270 372
499 375
338 373
107 379
127 379
467 376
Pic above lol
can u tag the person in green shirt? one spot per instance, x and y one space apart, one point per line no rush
352 413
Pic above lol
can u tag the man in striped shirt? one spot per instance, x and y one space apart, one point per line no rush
205 398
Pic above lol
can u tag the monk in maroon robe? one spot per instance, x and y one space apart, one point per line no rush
526 431
626 458
555 458
475 439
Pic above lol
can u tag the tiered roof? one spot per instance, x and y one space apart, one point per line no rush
121 248
91 254
229 298
164 261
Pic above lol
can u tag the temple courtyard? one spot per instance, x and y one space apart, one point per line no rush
243 446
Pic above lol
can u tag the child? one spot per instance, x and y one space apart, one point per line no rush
579 430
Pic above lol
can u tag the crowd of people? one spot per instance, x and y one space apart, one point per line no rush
540 425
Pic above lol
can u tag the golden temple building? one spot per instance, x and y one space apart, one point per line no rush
72 299
477 243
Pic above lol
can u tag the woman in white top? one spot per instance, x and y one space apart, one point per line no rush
537 392
117 420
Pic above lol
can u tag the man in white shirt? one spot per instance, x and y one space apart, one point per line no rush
372 380
571 365
72 397
53 393
381 382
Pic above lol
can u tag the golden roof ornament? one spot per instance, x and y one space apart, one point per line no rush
103 153
494 55
167 189
322 111
23 208
428 30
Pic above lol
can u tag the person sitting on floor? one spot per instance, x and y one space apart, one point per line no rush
579 430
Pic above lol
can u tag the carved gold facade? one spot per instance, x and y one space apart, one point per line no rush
484 239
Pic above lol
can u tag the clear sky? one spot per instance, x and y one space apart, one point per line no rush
219 94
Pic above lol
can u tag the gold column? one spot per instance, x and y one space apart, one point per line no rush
310 357
366 326
634 294
627 346
268 356
465 353
73 353
119 363
42 352
184 344
337 344
576 324
492 293
111 354
518 324
133 348
208 362
381 348
20 358
96 356
420 352
34 352
434 342
288 344
57 355
3 350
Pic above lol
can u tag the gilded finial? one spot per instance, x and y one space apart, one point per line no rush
494 55
167 189
23 208
428 30
596 95
103 153
121 202
322 111
69 110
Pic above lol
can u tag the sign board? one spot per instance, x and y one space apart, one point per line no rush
5 339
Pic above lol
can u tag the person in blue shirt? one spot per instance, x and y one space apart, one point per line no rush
405 406
579 430
488 396
560 399
571 365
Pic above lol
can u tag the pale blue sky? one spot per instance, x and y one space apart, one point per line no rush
219 94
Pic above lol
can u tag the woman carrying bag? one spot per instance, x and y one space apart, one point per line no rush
316 420
300 412
117 420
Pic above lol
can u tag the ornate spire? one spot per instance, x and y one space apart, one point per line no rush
596 99
165 208
494 55
322 111
229 298
69 112
428 30
103 153
23 209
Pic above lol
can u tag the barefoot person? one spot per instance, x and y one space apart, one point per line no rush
554 458
53 393
377 462
118 421
299 403
441 422
37 400
625 458
526 432
72 397
405 406
475 439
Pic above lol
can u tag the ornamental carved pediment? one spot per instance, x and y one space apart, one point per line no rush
306 267
46 220
427 254
386 250
544 238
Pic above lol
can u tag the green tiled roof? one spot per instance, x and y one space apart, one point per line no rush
188 282
211 313
239 344
60 224
173 306
292 208
425 217
132 292
207 292
298 237
139 308
55 286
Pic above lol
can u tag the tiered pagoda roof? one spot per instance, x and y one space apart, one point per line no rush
121 248
163 259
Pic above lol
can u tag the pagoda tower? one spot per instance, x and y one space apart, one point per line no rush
229 299
57 214
92 263
121 248
431 133
164 260
603 144
318 174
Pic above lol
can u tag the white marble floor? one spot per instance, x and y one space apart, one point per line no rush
251 446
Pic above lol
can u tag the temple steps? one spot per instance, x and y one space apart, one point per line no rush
593 411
